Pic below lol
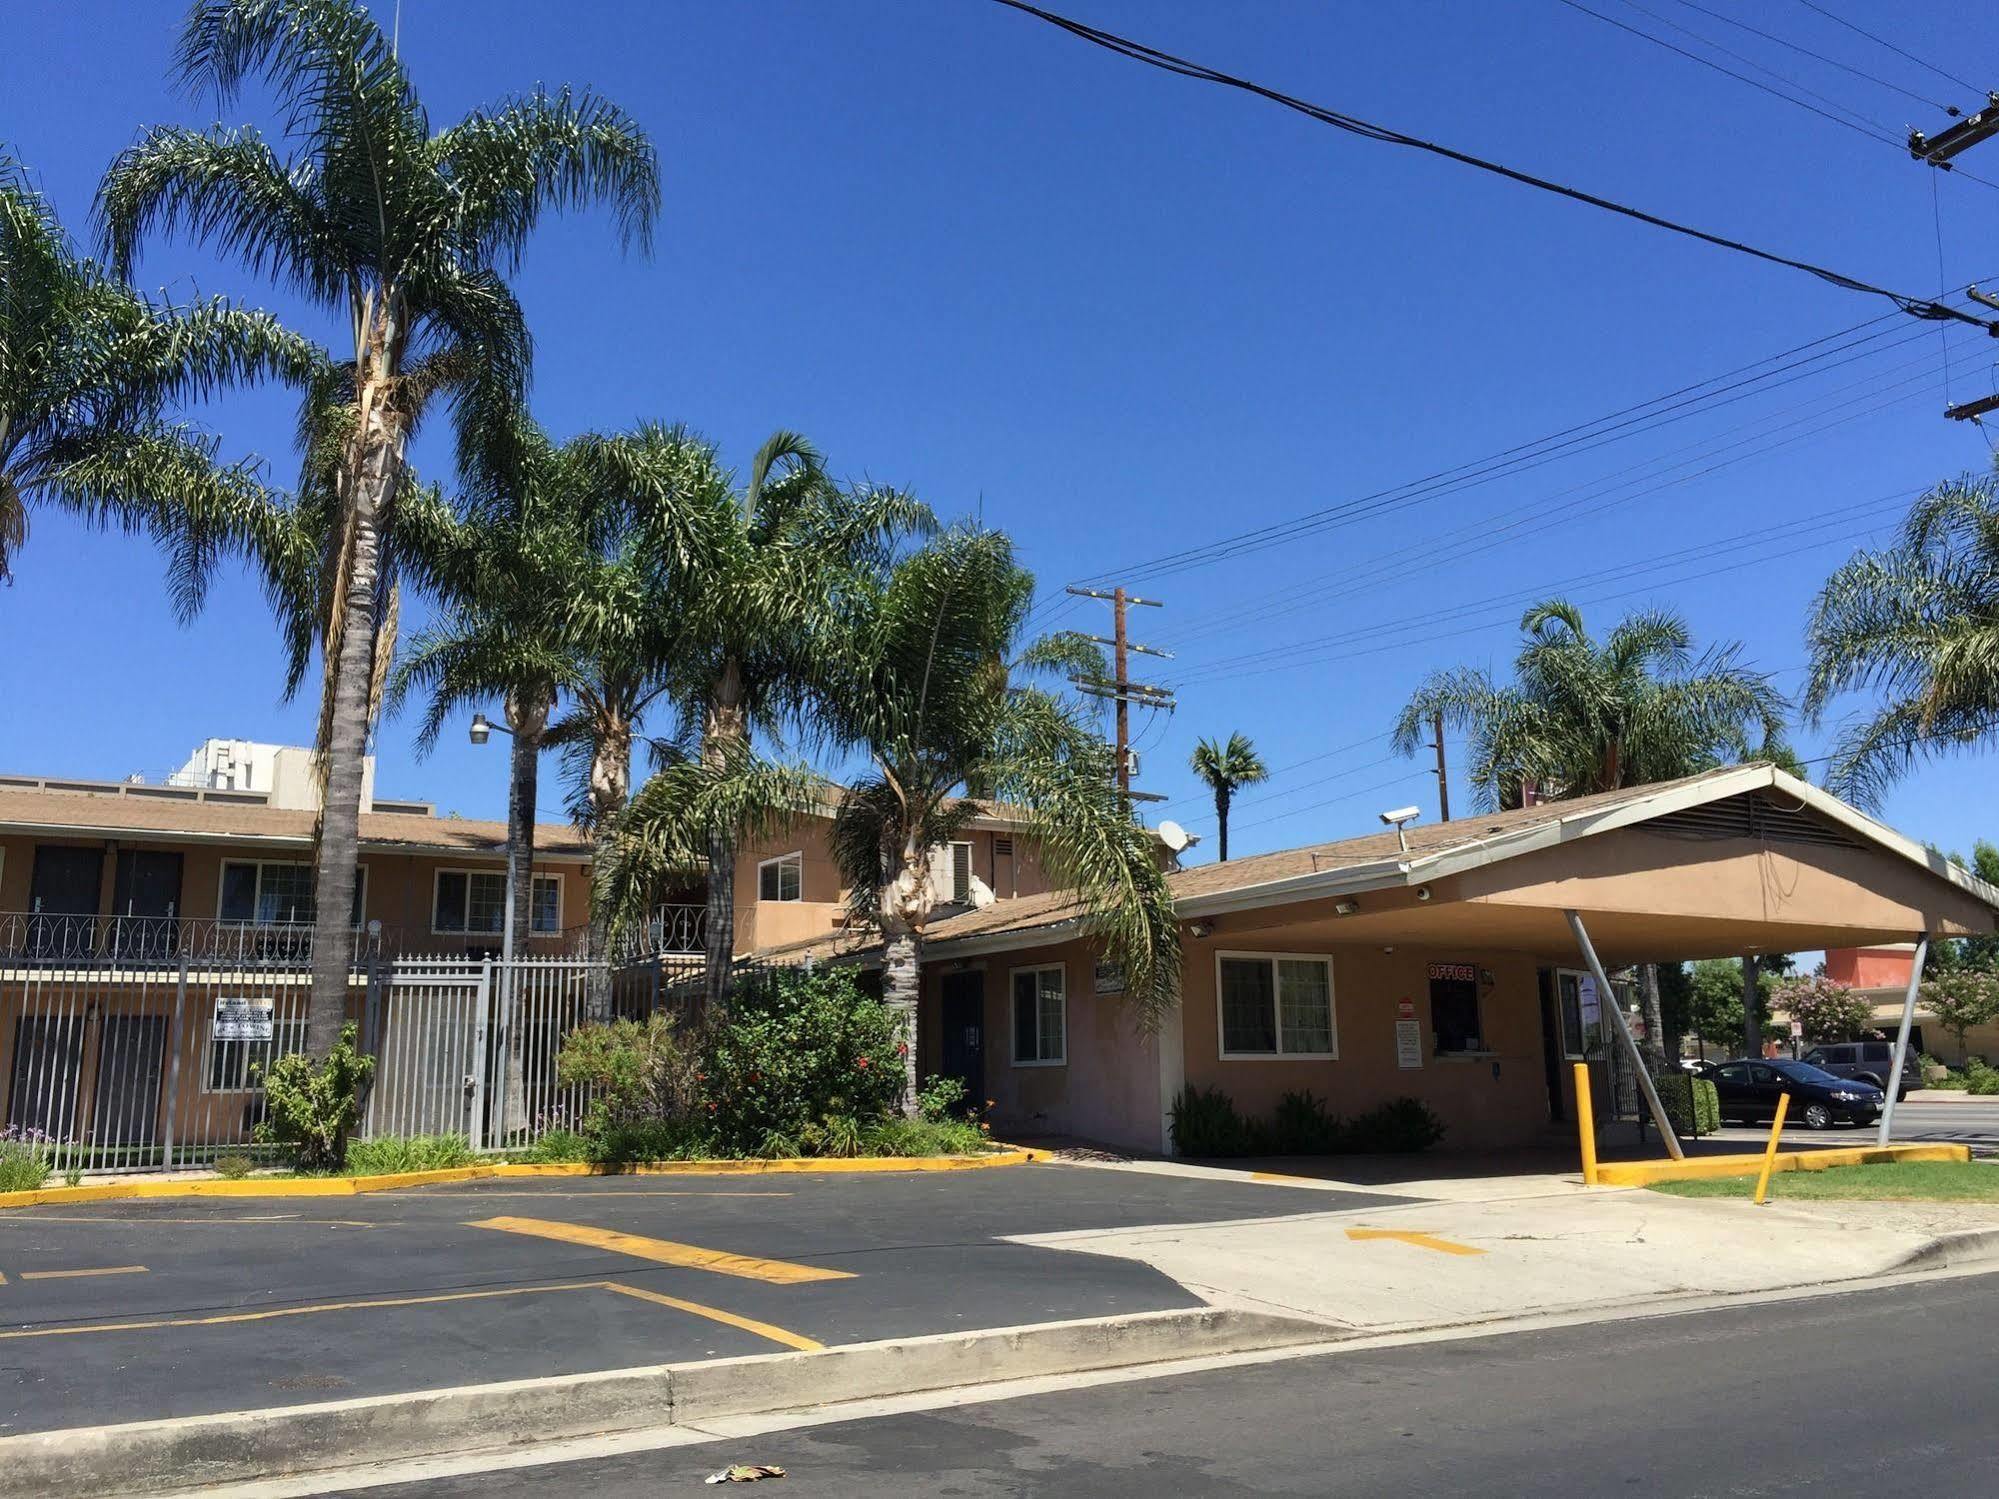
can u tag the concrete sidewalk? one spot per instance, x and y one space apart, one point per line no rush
1506 1254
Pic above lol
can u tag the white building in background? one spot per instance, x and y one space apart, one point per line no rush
283 772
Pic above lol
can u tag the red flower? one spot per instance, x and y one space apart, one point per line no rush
862 1063
902 1048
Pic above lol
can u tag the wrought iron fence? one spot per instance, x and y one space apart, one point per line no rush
131 1066
44 937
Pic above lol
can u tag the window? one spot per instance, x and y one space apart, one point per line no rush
1040 1017
240 1066
1454 1015
782 878
1276 1004
261 894
951 873
1736 1073
475 901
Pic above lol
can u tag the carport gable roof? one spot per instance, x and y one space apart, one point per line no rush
1377 861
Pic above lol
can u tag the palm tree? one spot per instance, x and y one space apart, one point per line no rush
1918 624
1581 717
406 235
88 369
1227 768
909 684
775 562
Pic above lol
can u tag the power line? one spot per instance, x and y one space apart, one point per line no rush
1884 42
1831 62
1921 307
1964 735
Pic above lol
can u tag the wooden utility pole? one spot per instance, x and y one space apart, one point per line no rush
1443 772
1120 689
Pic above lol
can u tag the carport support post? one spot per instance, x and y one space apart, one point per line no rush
1608 1002
1894 1078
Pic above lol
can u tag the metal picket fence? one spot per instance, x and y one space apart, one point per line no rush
151 1064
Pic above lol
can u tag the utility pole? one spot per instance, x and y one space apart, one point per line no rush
1120 689
1443 772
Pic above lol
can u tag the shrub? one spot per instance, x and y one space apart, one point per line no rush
1980 1079
1305 1126
836 1135
1402 1125
558 1145
794 1050
1691 1102
1827 1009
942 1098
1206 1123
24 1159
914 1137
312 1106
233 1166
635 1072
391 1155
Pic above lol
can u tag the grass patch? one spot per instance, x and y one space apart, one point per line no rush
1886 1181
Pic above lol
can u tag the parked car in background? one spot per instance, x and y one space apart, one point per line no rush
1867 1061
1748 1092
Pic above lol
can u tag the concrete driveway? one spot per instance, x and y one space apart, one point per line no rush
132 1311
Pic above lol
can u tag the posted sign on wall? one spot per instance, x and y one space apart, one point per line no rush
243 1019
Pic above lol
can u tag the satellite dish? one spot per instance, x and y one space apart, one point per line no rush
1173 836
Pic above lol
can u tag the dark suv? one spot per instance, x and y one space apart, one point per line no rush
1867 1062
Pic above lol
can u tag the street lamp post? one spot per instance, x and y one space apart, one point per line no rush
481 731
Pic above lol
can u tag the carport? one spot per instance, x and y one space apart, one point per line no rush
1447 963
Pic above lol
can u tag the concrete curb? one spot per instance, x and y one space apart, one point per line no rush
352 1186
1953 1251
1645 1173
150 1457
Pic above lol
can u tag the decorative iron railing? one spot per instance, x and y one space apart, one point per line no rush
39 936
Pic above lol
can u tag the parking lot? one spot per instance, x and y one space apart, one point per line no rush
137 1310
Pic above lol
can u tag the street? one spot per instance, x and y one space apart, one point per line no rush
1961 1121
1742 1401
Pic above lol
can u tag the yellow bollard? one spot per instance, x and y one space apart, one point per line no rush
1586 1124
1770 1151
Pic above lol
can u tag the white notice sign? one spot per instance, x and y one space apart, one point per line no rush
243 1019
1109 978
1408 1044
1592 1010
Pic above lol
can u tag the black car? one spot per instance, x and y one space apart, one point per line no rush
1869 1061
1749 1092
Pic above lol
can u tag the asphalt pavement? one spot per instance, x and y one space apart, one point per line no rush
140 1310
1874 1392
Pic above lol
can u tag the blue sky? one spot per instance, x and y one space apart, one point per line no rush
1121 314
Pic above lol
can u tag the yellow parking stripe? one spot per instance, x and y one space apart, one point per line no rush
79 1274
665 1251
716 1314
1414 1237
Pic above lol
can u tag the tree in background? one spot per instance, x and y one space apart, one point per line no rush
88 372
1981 953
1917 625
1226 768
915 683
1715 995
404 235
1962 999
1828 1010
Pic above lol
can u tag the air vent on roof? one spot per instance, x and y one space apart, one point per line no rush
1003 848
1758 817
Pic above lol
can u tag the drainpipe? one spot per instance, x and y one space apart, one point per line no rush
1894 1081
1609 1004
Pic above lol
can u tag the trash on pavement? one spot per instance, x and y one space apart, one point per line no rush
746 1473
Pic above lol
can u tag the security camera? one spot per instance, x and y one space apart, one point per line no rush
1401 815
1422 892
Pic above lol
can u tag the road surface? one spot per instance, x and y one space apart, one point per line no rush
1864 1393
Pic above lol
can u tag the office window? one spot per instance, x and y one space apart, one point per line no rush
782 878
1276 1005
475 901
1040 1017
267 894
1454 1015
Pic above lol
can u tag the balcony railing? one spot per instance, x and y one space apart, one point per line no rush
41 937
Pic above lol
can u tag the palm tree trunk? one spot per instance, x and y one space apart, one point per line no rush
724 729
528 713
610 789
1222 817
1655 1022
902 985
379 444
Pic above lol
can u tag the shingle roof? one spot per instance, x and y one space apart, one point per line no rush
155 816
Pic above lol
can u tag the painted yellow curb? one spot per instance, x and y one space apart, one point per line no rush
1697 1168
350 1186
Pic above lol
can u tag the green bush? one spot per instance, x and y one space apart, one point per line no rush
1207 1124
915 1137
558 1145
942 1098
312 1106
652 1140
1400 1126
24 1159
1980 1078
795 1051
391 1155
1691 1102
1305 1126
234 1166
635 1072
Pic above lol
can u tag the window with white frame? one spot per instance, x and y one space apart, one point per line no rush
474 901
236 1066
1040 1017
782 878
1276 1005
951 873
264 893
1582 1010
